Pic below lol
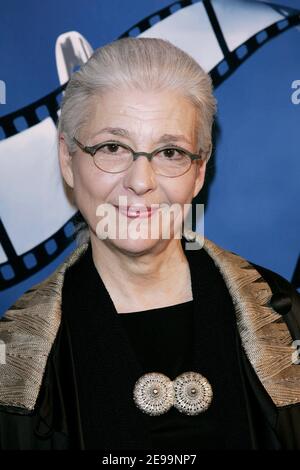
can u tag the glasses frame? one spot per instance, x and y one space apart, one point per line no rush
91 150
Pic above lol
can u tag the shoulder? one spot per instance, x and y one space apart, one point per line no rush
267 311
275 280
249 282
235 269
285 299
27 333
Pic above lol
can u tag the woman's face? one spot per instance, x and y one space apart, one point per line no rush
145 121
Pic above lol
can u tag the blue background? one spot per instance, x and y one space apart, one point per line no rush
254 197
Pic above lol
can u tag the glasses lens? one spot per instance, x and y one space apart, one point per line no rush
113 158
171 162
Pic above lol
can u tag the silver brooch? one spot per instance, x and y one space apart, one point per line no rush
190 393
193 393
154 393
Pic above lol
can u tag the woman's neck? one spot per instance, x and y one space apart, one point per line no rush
154 279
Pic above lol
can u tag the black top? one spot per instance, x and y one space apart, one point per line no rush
162 337
162 340
113 350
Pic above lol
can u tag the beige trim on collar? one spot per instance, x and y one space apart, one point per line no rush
28 333
264 334
32 323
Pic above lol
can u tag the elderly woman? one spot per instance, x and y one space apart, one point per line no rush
148 336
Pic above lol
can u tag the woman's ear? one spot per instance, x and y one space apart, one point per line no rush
65 162
200 176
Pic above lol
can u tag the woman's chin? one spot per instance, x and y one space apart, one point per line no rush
136 246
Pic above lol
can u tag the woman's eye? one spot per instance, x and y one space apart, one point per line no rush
171 153
110 148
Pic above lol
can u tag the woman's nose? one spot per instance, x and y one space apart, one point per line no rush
140 176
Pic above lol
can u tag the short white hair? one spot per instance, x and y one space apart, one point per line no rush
138 63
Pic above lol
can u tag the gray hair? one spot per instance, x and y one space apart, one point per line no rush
143 64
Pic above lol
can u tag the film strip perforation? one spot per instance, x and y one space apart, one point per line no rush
20 267
50 102
160 15
235 58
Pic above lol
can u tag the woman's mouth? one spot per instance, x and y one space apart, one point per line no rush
141 212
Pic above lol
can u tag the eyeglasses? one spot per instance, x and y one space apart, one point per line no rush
114 157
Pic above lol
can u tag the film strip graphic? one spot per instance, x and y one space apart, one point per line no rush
232 59
20 267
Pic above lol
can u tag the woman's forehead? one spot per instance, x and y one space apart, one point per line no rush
156 114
